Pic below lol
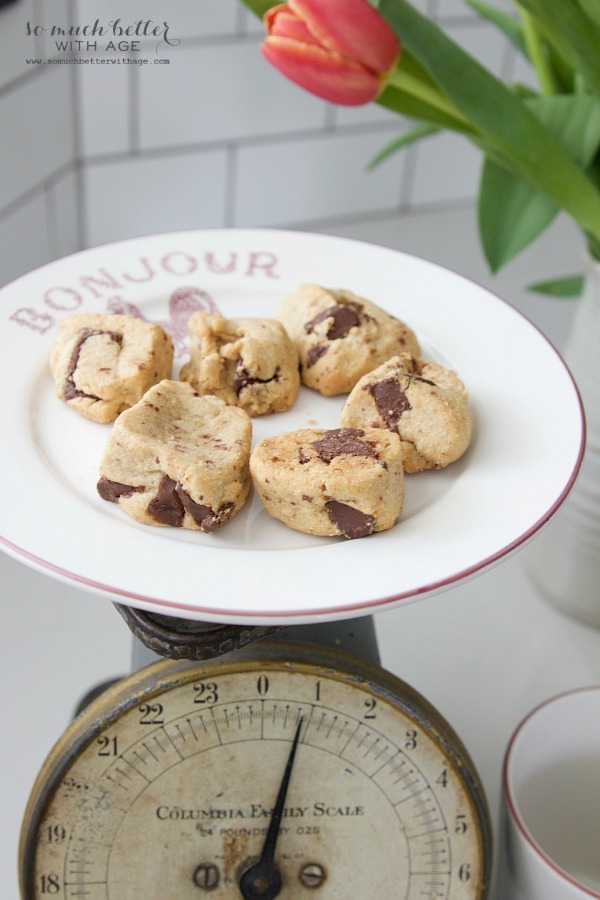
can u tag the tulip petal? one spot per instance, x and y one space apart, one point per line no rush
325 74
353 28
282 22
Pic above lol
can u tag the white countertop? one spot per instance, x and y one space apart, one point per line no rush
484 653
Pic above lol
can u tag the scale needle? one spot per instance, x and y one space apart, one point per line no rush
262 881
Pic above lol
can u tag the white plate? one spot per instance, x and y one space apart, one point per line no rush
524 457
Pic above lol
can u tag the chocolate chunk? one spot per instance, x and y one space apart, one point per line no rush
70 389
315 353
206 519
167 507
345 316
416 367
243 378
343 440
219 518
113 490
390 400
172 502
352 522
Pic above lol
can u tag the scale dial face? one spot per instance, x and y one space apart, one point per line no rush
165 786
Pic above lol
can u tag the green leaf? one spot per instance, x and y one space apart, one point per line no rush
409 64
574 120
507 128
259 7
412 92
405 103
593 246
575 34
511 212
513 30
569 286
592 9
415 134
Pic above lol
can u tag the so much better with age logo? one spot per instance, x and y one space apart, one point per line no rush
113 42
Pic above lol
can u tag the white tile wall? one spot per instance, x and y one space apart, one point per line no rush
141 195
49 14
371 114
446 170
220 92
38 131
24 238
15 51
63 202
424 6
202 18
478 39
38 152
447 9
104 108
249 23
314 178
210 136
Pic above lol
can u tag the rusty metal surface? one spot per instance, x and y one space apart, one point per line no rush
177 638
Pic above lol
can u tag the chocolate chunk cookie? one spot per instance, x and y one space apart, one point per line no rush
422 402
176 458
251 363
103 364
340 336
344 481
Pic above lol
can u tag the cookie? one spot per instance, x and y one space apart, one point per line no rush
102 364
176 458
340 336
346 481
422 402
251 363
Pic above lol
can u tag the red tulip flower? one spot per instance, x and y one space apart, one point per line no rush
340 50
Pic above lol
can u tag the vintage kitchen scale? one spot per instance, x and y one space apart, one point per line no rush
258 749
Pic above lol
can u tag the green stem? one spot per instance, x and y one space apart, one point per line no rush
416 88
537 53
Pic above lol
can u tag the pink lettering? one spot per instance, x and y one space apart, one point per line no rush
185 266
63 298
148 270
262 260
183 301
31 319
92 283
213 266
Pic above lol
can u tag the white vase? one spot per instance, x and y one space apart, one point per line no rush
564 560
